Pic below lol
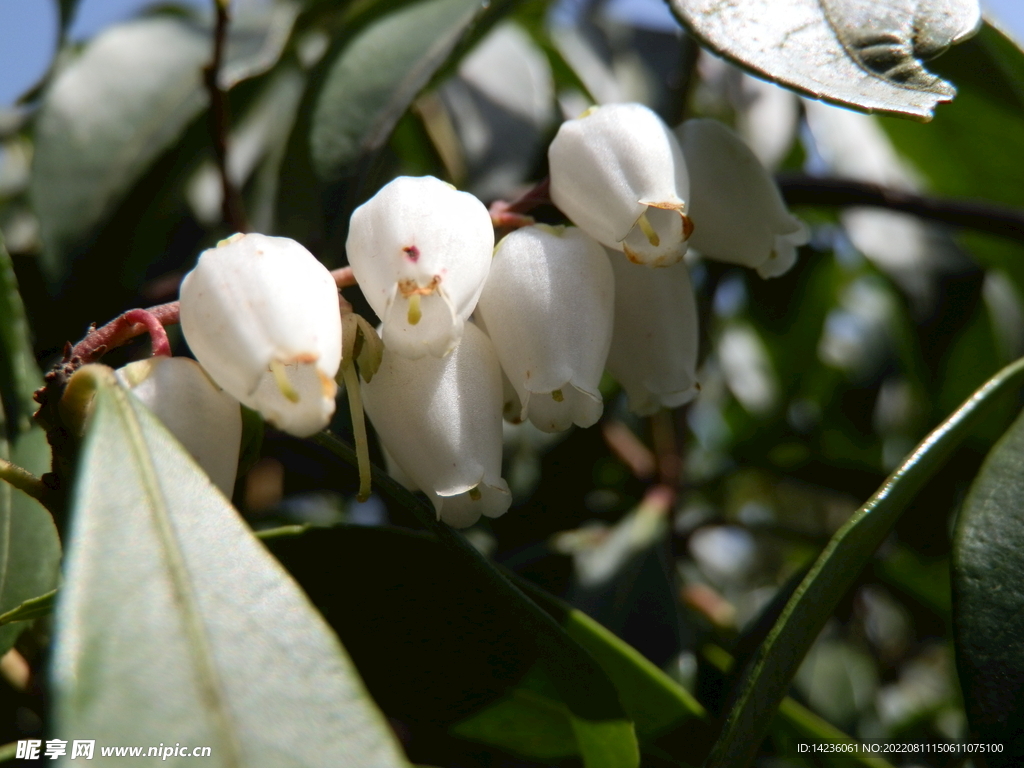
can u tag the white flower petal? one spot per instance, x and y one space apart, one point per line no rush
440 421
206 420
618 173
548 308
653 353
420 250
254 303
738 213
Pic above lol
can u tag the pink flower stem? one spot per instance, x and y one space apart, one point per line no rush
121 329
157 335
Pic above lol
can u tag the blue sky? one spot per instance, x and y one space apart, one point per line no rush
28 30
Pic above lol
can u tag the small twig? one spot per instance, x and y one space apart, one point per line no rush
629 448
231 206
507 216
123 328
972 214
158 336
23 480
343 277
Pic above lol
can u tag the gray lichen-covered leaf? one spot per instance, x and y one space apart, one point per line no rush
865 54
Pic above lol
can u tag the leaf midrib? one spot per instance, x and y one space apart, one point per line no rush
208 677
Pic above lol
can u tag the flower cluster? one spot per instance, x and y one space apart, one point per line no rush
471 329
554 306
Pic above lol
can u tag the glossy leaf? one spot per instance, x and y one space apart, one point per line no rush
779 656
988 598
33 608
436 644
112 111
175 620
376 77
856 53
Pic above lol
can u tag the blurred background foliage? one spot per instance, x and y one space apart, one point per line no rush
814 385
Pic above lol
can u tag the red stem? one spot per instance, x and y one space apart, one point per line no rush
157 335
132 323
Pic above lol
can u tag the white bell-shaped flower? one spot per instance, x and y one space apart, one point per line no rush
420 250
261 315
654 343
440 421
206 420
618 173
547 306
738 213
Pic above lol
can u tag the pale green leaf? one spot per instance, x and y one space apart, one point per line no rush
857 53
176 624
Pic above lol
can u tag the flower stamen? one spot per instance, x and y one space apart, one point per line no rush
414 309
645 226
281 379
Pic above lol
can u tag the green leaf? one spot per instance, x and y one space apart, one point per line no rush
31 609
988 598
530 721
29 545
175 619
116 108
19 374
651 698
779 656
861 55
436 643
376 77
986 125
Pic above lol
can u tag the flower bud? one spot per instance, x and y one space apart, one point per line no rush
440 421
261 316
654 344
206 420
548 308
738 214
420 250
618 173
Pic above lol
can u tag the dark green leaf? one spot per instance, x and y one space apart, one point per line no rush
436 645
175 620
530 721
861 55
376 77
653 700
779 656
19 374
31 609
988 598
29 546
